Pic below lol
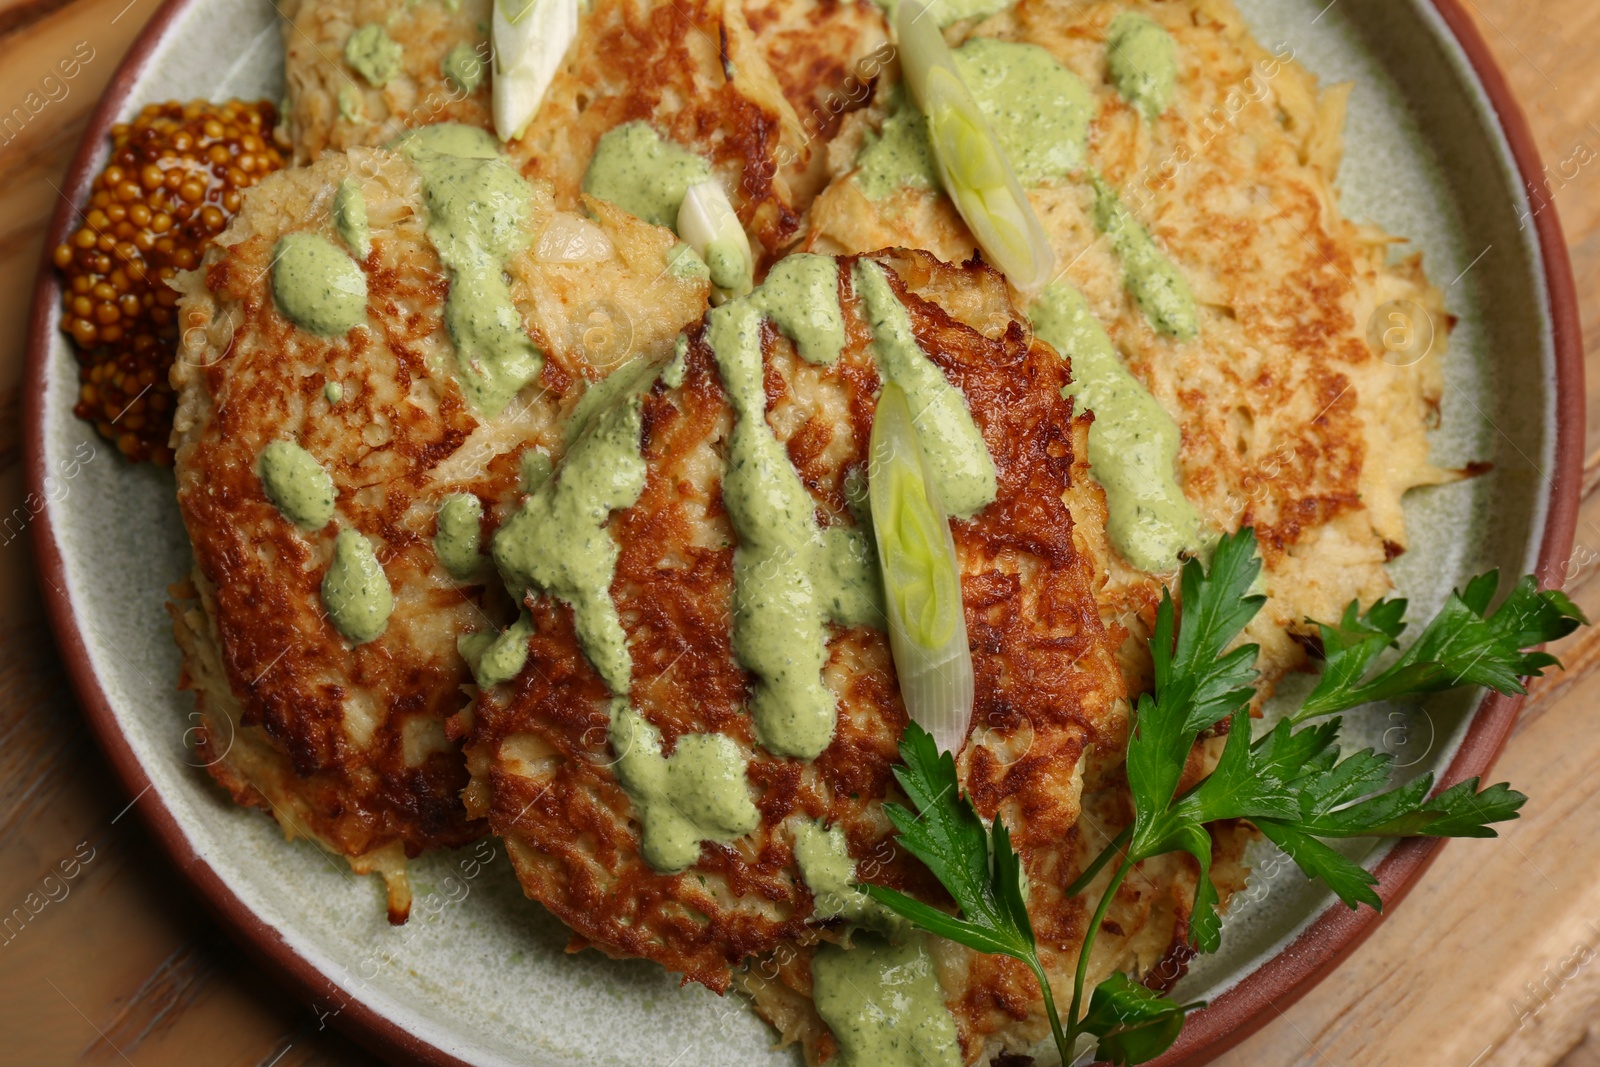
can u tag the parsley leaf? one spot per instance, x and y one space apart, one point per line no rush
1134 1023
1352 882
1292 785
1460 811
1197 685
1465 644
976 865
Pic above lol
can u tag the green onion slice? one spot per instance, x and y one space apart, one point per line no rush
709 225
530 40
921 576
972 166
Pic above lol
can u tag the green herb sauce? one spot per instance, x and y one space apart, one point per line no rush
600 396
535 469
1133 444
497 657
355 591
645 175
478 208
352 104
296 484
448 139
725 262
1143 63
801 295
685 263
1039 110
672 374
845 575
558 542
316 286
350 218
1154 281
791 577
779 631
699 793
962 468
457 537
898 155
464 67
373 54
830 874
883 1004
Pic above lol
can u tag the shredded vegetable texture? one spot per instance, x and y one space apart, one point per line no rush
921 576
530 40
1290 783
972 166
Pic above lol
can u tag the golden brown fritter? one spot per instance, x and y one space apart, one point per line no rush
1289 422
825 55
332 107
693 70
1048 725
344 744
1047 683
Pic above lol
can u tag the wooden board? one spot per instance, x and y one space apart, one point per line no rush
1494 959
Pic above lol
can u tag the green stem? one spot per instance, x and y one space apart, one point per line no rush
1082 972
1116 845
1063 1046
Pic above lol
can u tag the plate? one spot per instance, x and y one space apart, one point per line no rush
1437 151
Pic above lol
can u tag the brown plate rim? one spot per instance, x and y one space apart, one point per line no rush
1257 999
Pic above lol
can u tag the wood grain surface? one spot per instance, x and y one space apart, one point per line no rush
1493 960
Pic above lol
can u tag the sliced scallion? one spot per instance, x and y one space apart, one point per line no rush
530 40
709 225
921 576
972 166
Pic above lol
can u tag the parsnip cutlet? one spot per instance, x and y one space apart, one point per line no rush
692 72
376 354
359 73
573 762
1220 189
695 75
825 55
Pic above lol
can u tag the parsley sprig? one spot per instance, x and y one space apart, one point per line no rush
1465 644
1293 784
975 863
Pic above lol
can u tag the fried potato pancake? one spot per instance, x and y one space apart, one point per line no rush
1051 708
1048 687
346 745
695 71
825 55
1290 423
333 107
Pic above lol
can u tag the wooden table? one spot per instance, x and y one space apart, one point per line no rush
1494 958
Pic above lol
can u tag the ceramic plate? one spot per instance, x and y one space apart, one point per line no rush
1437 151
